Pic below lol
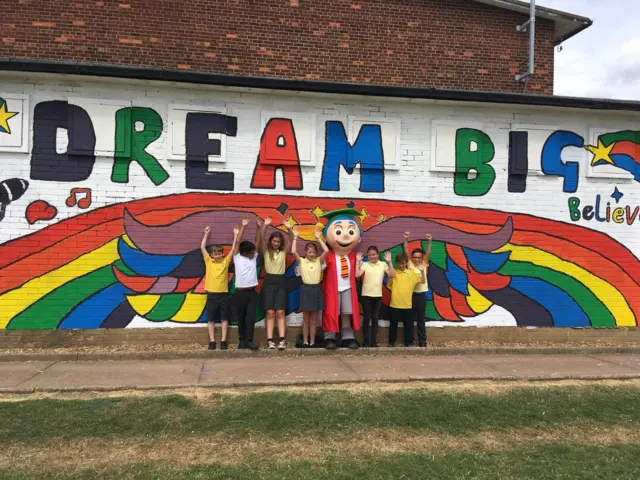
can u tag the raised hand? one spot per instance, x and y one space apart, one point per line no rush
207 230
267 221
407 235
245 221
387 257
258 222
317 234
428 236
296 233
359 256
236 230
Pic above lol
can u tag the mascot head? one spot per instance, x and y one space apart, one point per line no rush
343 232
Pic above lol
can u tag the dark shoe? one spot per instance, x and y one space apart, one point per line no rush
391 345
212 345
374 345
408 345
353 344
330 344
223 345
422 345
366 344
251 346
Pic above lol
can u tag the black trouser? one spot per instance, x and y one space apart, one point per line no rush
404 316
245 303
419 305
370 313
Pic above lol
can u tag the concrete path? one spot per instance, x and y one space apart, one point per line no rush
147 374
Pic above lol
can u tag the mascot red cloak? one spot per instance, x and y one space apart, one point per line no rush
342 312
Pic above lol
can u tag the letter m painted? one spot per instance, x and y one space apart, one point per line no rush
366 151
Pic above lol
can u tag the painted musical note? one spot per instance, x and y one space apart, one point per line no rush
83 203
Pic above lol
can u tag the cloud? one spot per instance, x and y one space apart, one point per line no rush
581 73
604 60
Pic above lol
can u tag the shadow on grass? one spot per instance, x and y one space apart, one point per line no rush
316 413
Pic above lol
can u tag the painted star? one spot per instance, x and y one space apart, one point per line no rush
291 221
317 212
363 215
617 195
600 153
4 118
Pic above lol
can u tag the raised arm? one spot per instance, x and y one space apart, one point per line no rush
236 232
405 244
288 239
263 236
428 254
203 245
391 271
359 271
294 245
258 240
325 249
245 222
423 278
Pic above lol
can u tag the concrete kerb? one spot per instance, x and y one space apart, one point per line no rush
231 354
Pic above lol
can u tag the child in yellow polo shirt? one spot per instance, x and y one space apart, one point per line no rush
311 296
373 271
216 284
402 282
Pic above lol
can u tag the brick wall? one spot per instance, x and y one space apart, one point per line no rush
452 44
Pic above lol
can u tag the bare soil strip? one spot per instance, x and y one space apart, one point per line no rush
200 394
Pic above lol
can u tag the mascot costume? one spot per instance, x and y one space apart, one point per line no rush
341 312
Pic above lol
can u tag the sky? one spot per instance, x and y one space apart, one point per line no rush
604 60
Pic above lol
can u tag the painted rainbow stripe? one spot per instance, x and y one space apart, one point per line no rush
75 274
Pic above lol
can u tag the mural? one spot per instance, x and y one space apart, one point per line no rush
40 211
104 267
620 149
10 191
105 233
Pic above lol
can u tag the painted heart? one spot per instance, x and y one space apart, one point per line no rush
40 210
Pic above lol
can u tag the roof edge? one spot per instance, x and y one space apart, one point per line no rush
270 83
581 22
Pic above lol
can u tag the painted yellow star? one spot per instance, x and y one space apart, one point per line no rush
317 212
382 218
601 153
291 221
363 215
4 118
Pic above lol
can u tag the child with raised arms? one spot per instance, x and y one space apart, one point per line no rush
402 283
216 284
274 289
311 296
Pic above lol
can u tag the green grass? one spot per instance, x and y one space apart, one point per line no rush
271 413
542 463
